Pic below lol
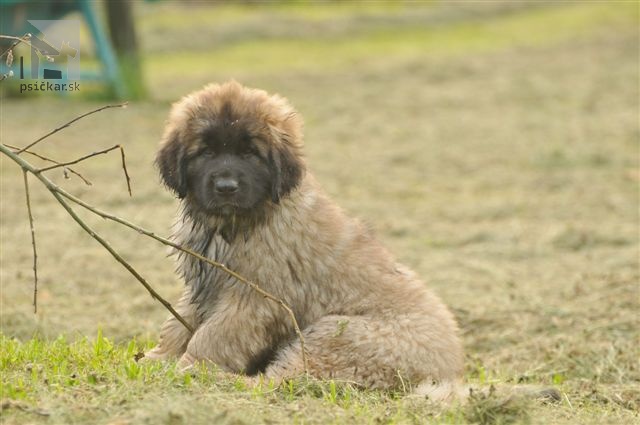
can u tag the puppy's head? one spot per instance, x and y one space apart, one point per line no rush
228 149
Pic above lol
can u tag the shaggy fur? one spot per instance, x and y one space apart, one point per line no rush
365 318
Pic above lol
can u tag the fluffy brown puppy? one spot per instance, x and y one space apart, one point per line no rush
232 155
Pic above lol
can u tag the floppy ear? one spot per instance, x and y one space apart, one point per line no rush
286 166
172 164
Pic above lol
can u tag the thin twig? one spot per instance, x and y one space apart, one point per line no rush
44 158
91 155
82 158
55 191
124 168
24 39
58 192
120 105
33 243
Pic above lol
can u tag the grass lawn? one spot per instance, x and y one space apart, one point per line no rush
493 147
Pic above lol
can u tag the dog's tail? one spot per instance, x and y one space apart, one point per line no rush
448 392
442 392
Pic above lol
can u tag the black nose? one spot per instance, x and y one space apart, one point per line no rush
226 186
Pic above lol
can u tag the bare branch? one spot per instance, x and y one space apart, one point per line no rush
33 242
44 158
120 105
54 189
62 196
58 193
91 155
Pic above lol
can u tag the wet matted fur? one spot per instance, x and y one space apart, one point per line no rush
232 155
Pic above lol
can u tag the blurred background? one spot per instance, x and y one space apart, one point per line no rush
492 145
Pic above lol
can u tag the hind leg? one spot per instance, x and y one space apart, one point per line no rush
374 352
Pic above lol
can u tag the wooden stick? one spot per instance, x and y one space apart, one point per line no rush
33 242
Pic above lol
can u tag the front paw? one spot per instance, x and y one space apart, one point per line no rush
157 353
